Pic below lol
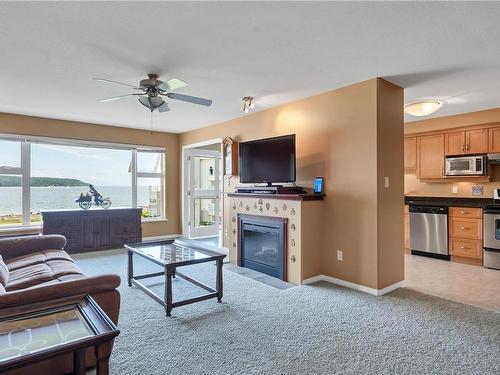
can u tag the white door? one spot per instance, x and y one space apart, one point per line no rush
203 192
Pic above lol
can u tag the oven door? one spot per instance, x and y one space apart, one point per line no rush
491 230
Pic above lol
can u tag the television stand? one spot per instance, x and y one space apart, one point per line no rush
270 189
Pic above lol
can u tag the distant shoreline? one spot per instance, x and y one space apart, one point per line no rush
16 181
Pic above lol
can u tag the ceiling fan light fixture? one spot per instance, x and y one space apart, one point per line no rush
423 107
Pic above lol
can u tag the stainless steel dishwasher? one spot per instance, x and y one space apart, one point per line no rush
429 231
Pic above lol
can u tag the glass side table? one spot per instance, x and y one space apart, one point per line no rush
28 338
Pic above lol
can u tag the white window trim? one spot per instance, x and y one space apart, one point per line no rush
25 171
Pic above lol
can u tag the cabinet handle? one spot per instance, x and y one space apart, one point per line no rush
463 212
462 148
465 228
465 247
467 148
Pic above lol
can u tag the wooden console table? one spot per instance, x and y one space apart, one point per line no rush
88 230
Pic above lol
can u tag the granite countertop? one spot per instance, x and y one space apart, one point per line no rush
448 201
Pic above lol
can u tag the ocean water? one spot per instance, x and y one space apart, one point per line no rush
49 198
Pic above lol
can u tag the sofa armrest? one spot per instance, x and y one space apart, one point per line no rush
12 247
39 294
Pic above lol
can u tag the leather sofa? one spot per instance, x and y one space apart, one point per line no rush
35 270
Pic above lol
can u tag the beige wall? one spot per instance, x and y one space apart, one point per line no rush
36 126
390 200
339 136
413 186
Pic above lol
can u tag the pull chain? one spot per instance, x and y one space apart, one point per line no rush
151 128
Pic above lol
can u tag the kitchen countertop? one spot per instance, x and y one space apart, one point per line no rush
448 201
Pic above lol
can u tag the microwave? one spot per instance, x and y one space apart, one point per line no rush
471 165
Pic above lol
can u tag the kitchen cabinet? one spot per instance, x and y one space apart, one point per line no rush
410 147
476 141
454 143
466 142
494 139
466 234
430 156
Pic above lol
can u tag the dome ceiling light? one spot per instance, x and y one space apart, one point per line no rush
423 107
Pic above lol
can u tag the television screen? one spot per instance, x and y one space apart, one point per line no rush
268 160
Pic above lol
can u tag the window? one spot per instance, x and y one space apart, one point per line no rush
41 174
149 182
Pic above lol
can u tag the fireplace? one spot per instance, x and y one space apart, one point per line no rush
262 244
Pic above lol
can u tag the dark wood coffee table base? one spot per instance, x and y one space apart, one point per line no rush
170 272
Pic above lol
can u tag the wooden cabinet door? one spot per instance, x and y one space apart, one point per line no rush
430 159
103 232
476 141
411 154
454 143
494 139
89 230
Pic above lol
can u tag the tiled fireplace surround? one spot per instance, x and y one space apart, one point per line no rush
302 220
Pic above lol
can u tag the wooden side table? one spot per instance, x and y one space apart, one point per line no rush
42 334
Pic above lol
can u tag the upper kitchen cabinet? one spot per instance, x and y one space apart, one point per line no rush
454 143
411 154
467 142
430 156
494 138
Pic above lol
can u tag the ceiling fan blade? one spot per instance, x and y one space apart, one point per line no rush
115 83
172 84
115 98
190 99
164 108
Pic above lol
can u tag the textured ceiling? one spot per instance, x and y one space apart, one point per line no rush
274 51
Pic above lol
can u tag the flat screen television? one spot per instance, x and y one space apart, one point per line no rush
268 160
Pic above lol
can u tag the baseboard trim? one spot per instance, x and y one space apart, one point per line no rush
348 284
159 238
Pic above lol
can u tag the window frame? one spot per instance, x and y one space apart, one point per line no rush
25 170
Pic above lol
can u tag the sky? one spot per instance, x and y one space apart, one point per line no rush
100 167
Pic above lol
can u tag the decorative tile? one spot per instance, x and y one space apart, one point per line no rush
241 204
276 210
292 243
284 207
260 209
268 206
255 205
247 207
292 211
234 244
233 219
234 206
261 201
234 231
292 227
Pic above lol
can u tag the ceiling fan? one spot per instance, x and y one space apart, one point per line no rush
151 92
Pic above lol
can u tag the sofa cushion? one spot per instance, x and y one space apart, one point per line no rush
35 274
36 258
11 247
4 272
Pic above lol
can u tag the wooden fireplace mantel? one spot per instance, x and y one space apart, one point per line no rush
291 197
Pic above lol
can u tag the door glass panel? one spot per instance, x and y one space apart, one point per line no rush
204 212
10 200
204 173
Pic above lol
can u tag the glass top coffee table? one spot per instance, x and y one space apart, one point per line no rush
172 254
